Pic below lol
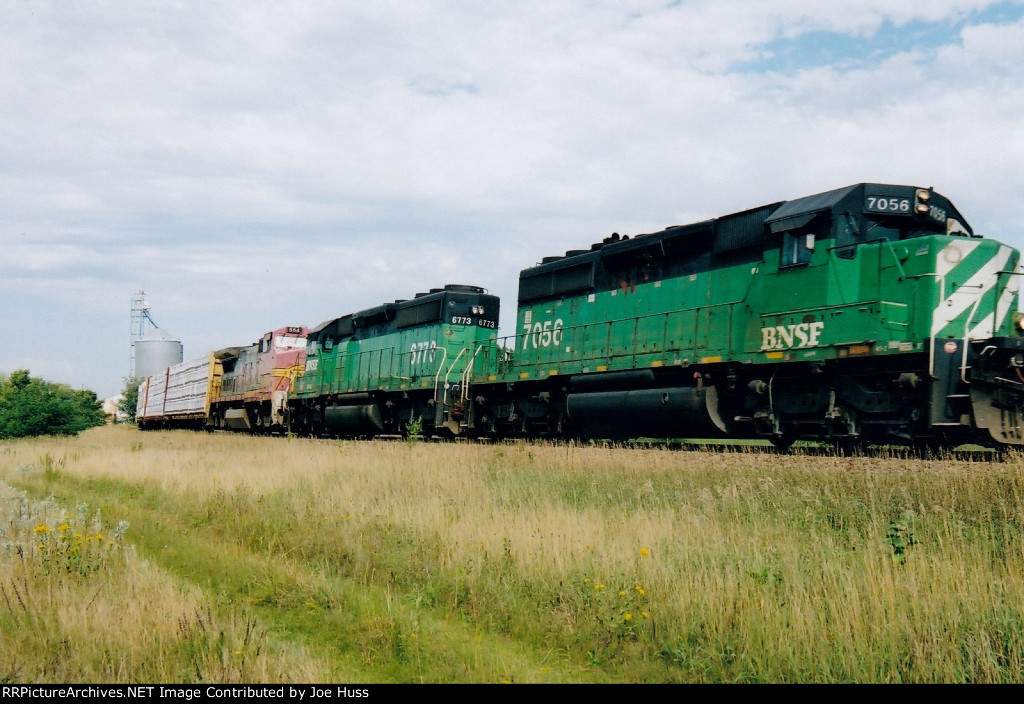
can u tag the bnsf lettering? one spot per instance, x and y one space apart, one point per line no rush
784 337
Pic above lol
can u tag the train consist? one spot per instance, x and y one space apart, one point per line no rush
866 314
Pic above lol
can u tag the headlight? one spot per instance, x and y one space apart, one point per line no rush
921 201
952 254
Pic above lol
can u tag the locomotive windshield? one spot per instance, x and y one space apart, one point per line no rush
903 213
895 213
892 229
286 342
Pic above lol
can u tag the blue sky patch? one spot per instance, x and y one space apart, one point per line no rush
822 48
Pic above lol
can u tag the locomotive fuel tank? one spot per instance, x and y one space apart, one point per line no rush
668 412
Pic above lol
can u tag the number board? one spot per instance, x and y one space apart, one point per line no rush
890 205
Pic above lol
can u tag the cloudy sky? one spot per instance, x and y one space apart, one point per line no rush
256 164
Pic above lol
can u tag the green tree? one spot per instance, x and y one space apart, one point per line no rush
30 407
129 399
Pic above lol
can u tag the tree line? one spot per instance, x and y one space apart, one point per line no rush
30 407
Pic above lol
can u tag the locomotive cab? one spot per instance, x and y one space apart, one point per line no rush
253 389
903 297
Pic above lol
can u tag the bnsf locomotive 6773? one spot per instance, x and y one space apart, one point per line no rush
867 314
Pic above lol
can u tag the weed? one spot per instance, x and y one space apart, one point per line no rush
414 430
216 653
51 467
901 536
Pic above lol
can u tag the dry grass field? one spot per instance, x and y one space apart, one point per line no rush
189 557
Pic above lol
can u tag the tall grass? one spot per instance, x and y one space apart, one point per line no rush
377 561
80 606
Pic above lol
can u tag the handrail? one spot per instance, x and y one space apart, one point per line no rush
437 377
466 374
895 258
892 250
446 385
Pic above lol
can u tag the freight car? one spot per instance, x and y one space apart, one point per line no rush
179 397
867 314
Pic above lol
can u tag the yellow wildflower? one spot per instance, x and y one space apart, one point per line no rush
644 552
639 590
627 617
42 529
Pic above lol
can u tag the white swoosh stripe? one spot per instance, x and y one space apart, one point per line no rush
943 265
1003 306
970 291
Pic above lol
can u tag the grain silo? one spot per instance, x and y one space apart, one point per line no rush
155 352
152 351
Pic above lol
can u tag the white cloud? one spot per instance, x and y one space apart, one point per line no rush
256 161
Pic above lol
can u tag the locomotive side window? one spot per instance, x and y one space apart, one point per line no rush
848 235
797 247
799 234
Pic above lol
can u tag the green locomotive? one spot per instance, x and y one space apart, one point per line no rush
866 314
870 313
395 368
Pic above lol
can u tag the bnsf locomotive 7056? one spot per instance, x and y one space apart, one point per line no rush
867 314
